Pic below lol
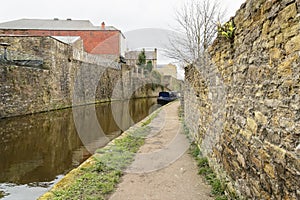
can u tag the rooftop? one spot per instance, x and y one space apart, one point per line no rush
52 24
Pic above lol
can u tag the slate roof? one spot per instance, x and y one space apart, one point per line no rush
52 24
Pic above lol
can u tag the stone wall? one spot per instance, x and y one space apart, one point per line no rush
242 104
28 89
63 80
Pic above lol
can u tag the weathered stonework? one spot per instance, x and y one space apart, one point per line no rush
68 77
243 104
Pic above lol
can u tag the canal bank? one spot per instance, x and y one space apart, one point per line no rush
149 161
38 150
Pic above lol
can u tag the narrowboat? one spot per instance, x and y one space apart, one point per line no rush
166 97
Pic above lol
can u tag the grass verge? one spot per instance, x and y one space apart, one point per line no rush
217 187
147 121
98 179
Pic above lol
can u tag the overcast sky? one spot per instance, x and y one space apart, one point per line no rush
125 15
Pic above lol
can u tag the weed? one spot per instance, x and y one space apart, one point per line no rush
222 197
218 188
1 194
202 162
187 133
145 123
180 113
148 121
227 30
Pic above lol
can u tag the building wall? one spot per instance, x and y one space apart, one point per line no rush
168 70
95 42
122 45
132 57
242 104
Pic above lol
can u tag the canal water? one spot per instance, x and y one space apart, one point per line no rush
37 150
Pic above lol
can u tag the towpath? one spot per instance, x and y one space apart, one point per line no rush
163 169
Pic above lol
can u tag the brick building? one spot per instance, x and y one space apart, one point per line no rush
102 39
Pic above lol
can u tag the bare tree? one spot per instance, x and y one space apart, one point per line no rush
197 21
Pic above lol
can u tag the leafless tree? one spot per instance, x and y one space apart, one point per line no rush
197 27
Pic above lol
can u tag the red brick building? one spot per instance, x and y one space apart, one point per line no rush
96 39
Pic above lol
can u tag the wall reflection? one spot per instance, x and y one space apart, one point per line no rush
38 147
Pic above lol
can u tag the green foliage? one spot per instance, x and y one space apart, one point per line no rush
221 197
195 151
100 178
149 66
156 76
227 30
190 138
148 121
141 58
145 123
91 184
218 188
202 162
2 194
154 86
181 113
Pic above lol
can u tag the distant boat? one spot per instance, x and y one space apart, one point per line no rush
166 97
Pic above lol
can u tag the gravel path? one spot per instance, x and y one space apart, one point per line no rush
163 170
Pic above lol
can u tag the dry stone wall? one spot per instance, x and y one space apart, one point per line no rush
242 104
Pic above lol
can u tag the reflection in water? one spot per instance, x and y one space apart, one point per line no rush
37 148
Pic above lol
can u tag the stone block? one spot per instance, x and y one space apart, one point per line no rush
278 154
275 27
290 31
291 180
260 118
267 6
293 45
293 163
288 13
270 171
246 133
241 159
286 123
279 39
266 186
263 155
275 54
251 125
284 69
256 163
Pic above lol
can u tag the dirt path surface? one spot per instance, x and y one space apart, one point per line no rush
163 170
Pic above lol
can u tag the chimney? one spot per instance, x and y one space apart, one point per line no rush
102 25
